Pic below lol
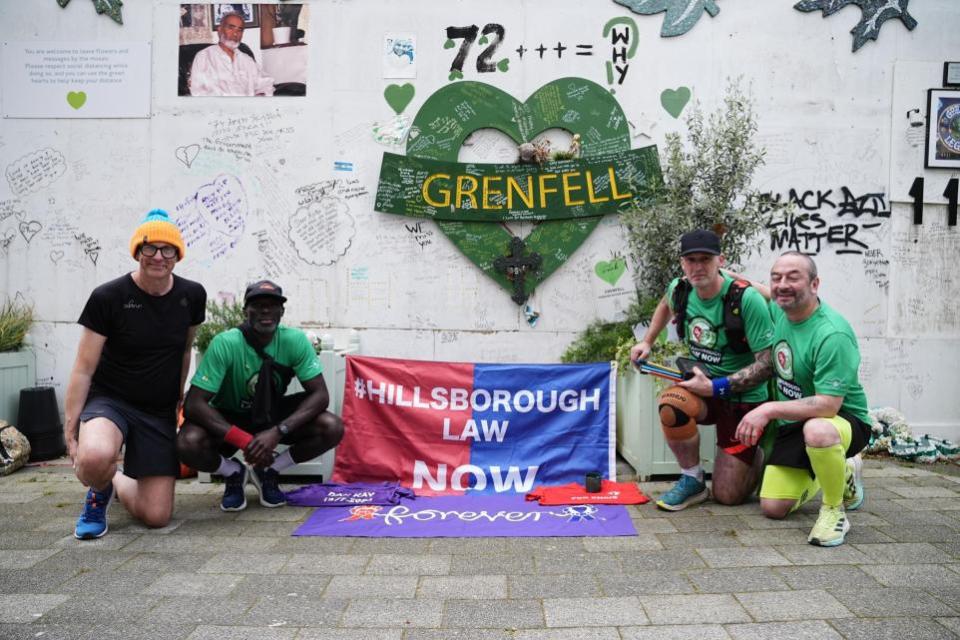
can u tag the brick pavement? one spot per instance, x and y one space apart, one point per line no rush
710 572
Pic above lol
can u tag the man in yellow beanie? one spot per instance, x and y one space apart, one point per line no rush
128 379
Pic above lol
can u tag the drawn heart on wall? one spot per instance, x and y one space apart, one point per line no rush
55 255
602 126
674 101
187 154
610 271
76 99
398 96
7 238
30 229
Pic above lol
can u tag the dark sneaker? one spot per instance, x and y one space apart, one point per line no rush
234 498
267 482
687 492
92 522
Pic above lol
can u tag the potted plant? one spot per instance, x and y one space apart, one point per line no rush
221 316
17 364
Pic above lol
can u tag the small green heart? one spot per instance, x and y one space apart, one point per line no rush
675 101
483 40
504 65
76 99
449 44
454 75
398 96
611 271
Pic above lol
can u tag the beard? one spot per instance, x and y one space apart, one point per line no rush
229 44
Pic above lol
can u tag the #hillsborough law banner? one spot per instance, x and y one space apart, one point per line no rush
447 428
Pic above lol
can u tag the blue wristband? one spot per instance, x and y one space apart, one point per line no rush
721 387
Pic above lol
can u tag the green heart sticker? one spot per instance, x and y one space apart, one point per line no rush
674 101
610 271
398 96
504 65
483 40
449 44
576 105
76 99
455 75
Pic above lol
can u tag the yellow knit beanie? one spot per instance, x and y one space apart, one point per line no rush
157 227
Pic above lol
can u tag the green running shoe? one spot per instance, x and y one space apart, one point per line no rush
831 527
853 486
687 492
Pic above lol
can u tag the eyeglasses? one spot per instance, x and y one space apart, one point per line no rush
150 250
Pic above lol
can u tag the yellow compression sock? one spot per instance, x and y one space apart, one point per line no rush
829 465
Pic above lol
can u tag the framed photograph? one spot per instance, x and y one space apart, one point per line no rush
943 129
250 12
951 74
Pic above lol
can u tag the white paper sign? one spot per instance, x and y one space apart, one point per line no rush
76 79
399 55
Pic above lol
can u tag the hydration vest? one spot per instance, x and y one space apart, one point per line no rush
732 313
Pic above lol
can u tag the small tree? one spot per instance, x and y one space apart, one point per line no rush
707 185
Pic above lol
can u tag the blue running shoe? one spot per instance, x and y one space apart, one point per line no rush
267 482
687 492
234 498
92 522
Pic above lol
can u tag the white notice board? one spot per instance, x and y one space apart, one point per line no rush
76 79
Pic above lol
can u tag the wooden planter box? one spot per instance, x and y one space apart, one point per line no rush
640 439
18 370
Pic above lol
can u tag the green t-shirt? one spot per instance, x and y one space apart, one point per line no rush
818 356
707 337
230 367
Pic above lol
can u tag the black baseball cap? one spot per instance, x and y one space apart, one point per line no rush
263 289
700 241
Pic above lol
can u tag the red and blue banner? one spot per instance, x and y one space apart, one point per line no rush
449 428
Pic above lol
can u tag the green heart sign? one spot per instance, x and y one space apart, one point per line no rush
76 99
577 105
675 101
611 271
398 96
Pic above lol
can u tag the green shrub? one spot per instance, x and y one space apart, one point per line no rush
16 319
220 317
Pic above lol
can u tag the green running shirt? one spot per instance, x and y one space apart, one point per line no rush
230 366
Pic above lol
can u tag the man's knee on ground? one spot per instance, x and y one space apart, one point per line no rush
678 410
154 516
775 509
820 433
728 495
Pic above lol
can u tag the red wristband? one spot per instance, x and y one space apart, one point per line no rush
238 437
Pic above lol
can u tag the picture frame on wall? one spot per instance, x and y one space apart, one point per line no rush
951 74
943 129
250 11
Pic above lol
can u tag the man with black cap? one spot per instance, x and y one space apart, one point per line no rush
236 402
727 326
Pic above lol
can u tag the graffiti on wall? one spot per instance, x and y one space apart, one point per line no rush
873 13
824 220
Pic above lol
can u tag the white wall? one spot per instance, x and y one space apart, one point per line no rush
829 119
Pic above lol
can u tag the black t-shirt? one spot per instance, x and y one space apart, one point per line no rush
146 336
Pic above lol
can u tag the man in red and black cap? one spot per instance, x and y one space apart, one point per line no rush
236 402
128 379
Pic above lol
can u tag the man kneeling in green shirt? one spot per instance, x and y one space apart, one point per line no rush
236 402
821 407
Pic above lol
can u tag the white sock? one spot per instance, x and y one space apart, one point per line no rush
695 472
283 461
228 467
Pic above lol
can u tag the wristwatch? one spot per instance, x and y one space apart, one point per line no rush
283 429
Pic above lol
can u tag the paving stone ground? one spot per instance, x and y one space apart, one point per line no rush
710 572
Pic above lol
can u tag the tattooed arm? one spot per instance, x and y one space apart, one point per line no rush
753 374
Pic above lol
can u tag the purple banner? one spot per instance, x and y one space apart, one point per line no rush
469 516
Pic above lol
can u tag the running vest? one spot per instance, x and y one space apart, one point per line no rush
732 313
